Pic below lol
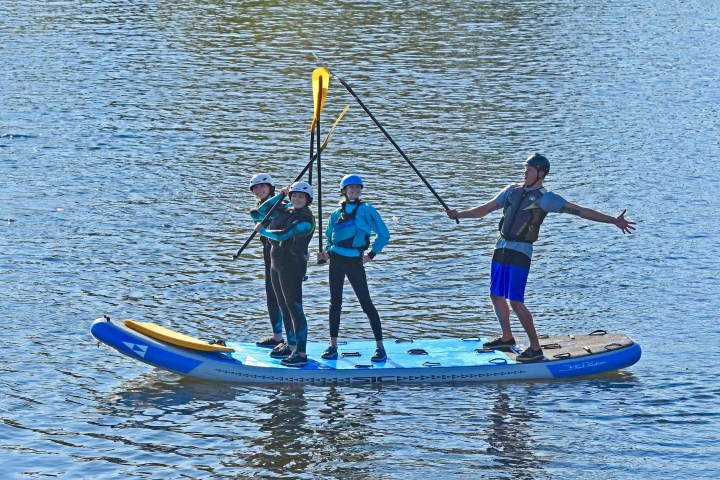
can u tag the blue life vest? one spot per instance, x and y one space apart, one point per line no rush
522 215
345 230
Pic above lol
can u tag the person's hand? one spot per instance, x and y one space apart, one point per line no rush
258 227
285 190
323 256
452 213
367 258
625 225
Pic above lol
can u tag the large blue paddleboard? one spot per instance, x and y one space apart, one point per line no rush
409 360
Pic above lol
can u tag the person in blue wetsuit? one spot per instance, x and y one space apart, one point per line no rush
289 233
348 237
524 209
263 187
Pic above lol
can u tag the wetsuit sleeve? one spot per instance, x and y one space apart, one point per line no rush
298 230
259 213
552 202
329 230
378 226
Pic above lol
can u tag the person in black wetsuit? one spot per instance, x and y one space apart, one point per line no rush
263 187
290 232
524 209
348 237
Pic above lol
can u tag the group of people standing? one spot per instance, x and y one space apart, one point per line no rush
285 250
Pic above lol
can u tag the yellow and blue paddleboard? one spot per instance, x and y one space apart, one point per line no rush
409 360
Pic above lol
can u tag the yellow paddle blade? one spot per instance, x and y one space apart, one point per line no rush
320 76
342 114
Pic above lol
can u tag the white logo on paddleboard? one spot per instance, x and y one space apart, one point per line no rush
582 365
137 349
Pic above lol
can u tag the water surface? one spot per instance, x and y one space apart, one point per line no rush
129 132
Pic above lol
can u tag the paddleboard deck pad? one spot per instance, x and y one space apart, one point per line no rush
174 338
409 360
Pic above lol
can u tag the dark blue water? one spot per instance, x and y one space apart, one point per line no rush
128 133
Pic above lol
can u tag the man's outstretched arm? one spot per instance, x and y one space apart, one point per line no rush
477 212
589 214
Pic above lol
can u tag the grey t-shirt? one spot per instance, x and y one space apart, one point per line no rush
550 202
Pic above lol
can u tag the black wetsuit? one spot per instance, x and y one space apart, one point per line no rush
354 270
290 233
273 307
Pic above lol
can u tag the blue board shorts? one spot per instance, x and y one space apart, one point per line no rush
508 274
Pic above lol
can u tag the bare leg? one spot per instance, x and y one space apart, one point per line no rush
502 311
526 319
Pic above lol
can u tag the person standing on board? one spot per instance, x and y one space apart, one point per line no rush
524 209
348 236
263 187
289 233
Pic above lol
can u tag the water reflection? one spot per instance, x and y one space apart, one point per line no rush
285 432
166 392
321 434
346 428
511 437
273 430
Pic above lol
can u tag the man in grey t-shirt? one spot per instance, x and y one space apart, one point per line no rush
524 209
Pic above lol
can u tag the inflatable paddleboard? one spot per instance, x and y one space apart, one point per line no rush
409 360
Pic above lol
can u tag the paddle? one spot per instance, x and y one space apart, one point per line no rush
312 146
320 79
266 219
318 103
387 135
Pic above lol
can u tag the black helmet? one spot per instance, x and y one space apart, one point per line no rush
539 162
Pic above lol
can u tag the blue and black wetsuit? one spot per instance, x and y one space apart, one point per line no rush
289 234
348 236
273 307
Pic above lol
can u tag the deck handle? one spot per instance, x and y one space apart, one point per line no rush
417 351
431 364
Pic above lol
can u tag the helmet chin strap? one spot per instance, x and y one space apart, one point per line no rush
539 178
347 199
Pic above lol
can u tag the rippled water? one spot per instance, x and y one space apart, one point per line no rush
128 132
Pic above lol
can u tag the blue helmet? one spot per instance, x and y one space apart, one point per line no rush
351 180
539 162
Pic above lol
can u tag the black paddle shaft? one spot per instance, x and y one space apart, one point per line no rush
387 135
319 171
312 146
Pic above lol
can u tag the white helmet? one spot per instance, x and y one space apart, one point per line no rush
261 178
303 187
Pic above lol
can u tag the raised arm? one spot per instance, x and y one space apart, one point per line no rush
297 230
477 212
595 216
